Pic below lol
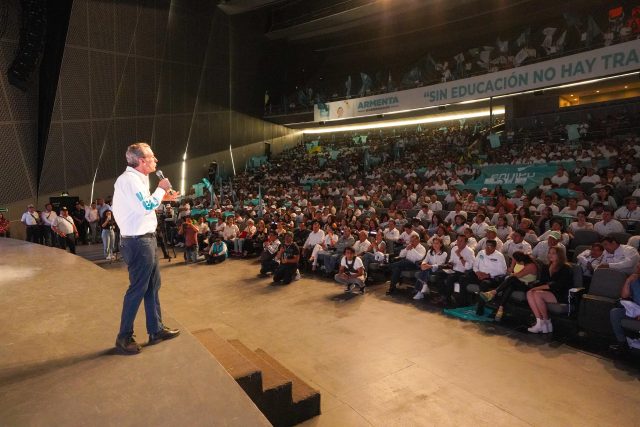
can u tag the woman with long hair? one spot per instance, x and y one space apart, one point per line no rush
108 226
436 256
558 280
524 271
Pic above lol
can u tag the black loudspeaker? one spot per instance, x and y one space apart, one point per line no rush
538 93
32 32
68 202
213 172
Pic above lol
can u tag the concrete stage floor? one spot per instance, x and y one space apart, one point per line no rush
60 315
387 361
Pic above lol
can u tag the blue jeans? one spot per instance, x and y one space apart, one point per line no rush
108 239
144 283
617 314
423 277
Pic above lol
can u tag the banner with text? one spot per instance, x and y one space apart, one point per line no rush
615 59
510 176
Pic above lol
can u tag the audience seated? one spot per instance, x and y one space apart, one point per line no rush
557 280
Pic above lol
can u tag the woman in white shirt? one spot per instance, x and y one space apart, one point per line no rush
436 256
441 233
580 224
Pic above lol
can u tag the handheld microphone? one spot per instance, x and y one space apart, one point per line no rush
160 176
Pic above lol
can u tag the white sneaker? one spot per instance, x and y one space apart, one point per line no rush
419 295
298 275
547 326
108 258
537 328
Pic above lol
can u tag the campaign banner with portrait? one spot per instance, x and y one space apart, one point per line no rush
606 61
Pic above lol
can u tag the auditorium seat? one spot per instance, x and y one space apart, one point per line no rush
584 237
631 328
621 238
564 315
604 292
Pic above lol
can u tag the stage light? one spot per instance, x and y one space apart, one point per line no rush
436 118
184 173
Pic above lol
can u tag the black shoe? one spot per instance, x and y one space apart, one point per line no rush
392 290
362 290
127 345
619 348
163 335
348 288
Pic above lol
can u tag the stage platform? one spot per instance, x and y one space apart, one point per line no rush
60 315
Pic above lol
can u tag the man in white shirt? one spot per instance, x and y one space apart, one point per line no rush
48 217
461 260
629 212
491 234
134 211
435 205
548 203
66 230
91 215
315 238
405 236
31 220
589 260
560 177
619 257
410 258
608 225
362 245
590 177
450 218
425 214
516 244
479 226
489 267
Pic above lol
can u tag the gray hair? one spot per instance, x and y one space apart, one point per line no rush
135 152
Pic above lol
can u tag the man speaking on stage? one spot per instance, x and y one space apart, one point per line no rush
134 211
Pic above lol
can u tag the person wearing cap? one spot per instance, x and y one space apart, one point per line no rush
491 234
608 225
134 209
541 250
31 221
288 257
64 227
557 224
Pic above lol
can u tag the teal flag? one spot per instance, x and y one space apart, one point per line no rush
333 154
494 140
572 132
363 138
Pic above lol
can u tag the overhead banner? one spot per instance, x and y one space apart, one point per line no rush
606 61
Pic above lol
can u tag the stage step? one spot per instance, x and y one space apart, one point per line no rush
282 396
246 374
305 399
275 402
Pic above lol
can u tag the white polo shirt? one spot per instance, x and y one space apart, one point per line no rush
624 258
494 264
134 207
29 218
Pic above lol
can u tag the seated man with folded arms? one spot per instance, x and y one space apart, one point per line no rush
589 260
410 258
